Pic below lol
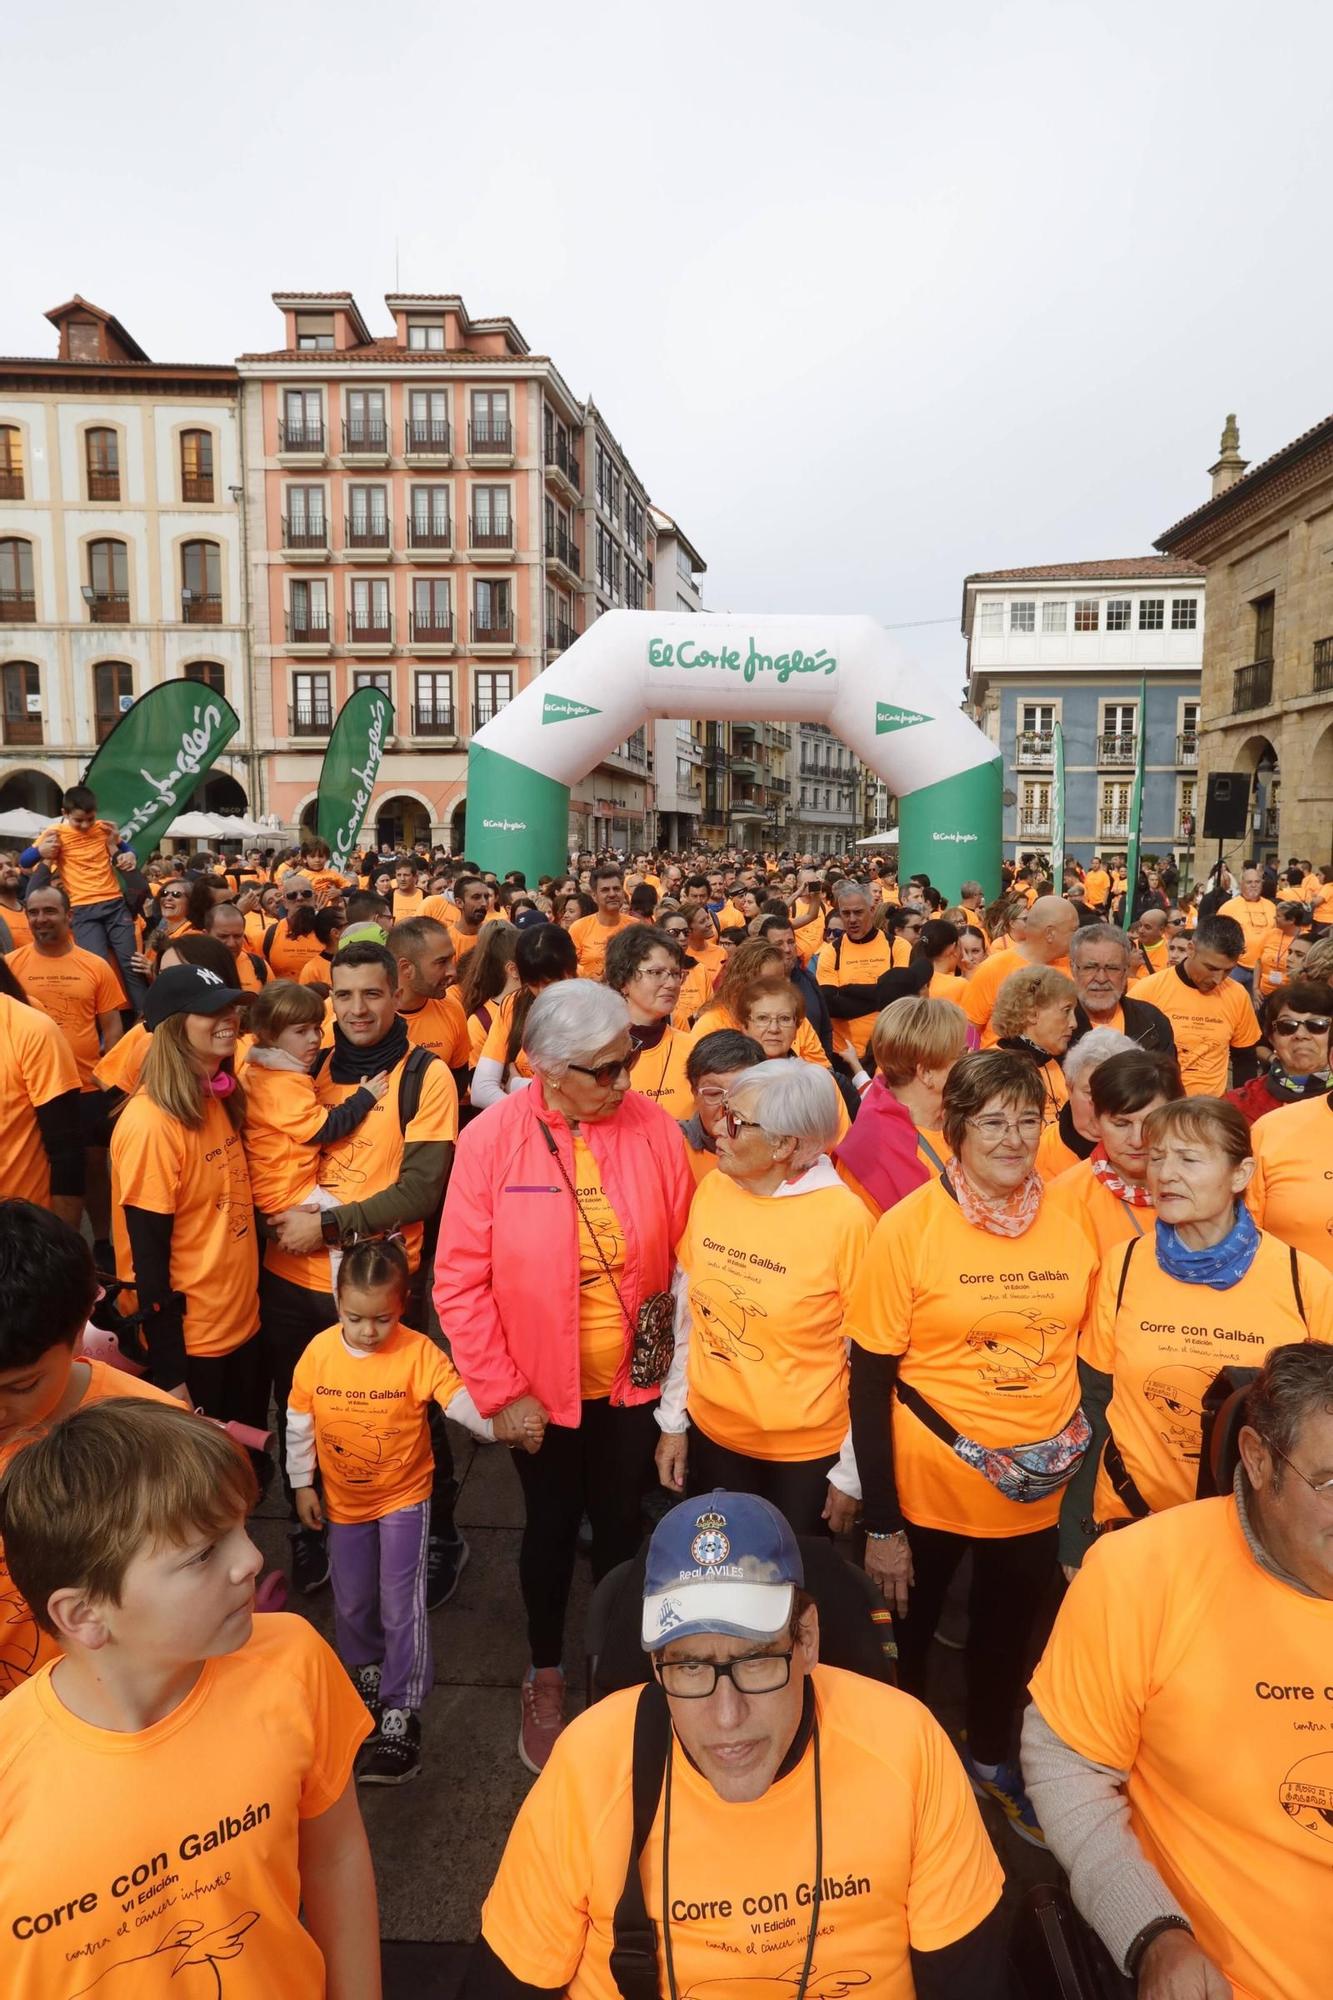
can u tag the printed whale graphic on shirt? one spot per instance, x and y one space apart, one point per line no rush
778 1986
1014 1340
1306 1795
361 1450
723 1313
185 1964
1176 1396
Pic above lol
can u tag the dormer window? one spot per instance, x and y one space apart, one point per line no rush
314 332
425 336
84 341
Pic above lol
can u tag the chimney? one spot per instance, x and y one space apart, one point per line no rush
1230 465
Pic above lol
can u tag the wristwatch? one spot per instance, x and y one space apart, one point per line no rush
331 1230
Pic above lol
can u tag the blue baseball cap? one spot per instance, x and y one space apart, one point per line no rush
727 1563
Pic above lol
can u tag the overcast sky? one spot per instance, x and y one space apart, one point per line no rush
874 295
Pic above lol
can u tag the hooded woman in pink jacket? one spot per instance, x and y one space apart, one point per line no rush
565 1206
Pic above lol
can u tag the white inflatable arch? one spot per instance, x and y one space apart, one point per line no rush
633 666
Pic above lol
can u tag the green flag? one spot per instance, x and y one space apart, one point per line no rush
155 756
1135 813
351 764
1058 812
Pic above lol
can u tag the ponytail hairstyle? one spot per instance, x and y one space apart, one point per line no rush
544 955
381 1261
486 970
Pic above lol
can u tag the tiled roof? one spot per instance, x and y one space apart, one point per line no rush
1115 569
395 351
52 361
1248 480
327 298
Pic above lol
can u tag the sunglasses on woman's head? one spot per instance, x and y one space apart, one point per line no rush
607 1072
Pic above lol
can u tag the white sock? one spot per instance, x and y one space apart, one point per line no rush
991 1771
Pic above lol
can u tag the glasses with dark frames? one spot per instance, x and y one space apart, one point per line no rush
735 1126
607 1072
755 1673
1312 1024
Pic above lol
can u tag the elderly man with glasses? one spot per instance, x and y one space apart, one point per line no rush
1099 957
805 1830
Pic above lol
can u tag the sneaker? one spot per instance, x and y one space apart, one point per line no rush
445 1563
393 1753
543 1699
366 1681
1006 1789
310 1561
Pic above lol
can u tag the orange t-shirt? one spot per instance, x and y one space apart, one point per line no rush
1053 1156
368 1161
189 1860
369 1413
282 1116
591 937
947 986
1272 964
1104 1218
915 1868
660 1073
1172 1641
409 904
987 1329
702 1162
602 1326
316 972
1167 1341
24 1647
73 989
36 1066
441 1026
198 1178
1291 1191
444 910
286 955
809 936
986 982
122 1065
83 866
1255 919
852 964
1207 1026
769 1280
1096 888
246 977
496 1045
16 922
464 941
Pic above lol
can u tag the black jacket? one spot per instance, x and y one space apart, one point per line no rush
1144 1023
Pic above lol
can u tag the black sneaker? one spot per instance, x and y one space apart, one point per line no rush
366 1681
445 1563
393 1753
310 1561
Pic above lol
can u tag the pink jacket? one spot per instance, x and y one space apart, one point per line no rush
507 1266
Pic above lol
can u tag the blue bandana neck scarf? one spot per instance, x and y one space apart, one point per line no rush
1220 1267
1290 1089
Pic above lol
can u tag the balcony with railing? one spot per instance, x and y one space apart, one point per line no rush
368 535
1117 747
431 628
1034 824
301 440
486 711
1112 825
197 486
104 486
1252 686
430 536
563 462
21 731
430 720
427 437
497 629
1323 665
488 532
490 437
18 607
201 607
560 635
1034 747
369 626
305 535
365 437
310 719
1187 749
308 628
109 607
11 485
562 548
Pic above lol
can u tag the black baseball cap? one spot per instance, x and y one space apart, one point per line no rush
187 989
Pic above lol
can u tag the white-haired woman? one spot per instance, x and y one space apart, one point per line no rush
1073 1136
565 1205
757 1397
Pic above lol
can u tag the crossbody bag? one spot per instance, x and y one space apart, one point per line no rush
1022 1472
652 1331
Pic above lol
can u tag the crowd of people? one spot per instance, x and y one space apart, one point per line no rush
769 1213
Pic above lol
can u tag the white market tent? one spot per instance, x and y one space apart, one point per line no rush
889 839
216 826
22 823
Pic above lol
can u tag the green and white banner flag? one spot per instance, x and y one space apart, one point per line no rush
155 756
1058 813
1136 813
351 765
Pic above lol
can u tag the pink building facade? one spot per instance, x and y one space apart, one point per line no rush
413 508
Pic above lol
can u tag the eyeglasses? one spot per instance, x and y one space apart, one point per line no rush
659 972
734 1126
695 1680
607 1072
991 1131
1310 1024
1323 1487
1175 923
300 895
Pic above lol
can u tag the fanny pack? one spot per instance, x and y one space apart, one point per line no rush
1022 1472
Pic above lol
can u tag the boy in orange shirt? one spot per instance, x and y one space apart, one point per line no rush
358 1409
83 853
176 1787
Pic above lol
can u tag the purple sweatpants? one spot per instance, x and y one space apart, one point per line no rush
379 1600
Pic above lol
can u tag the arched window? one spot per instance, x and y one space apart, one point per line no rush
103 449
201 583
11 462
108 582
22 688
113 693
211 672
18 603
196 465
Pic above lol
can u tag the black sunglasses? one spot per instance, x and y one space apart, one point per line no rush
1312 1024
300 895
607 1072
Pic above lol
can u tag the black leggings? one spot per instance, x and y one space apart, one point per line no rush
1012 1578
602 1469
797 1489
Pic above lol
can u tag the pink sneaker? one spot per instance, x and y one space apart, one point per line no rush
543 1699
